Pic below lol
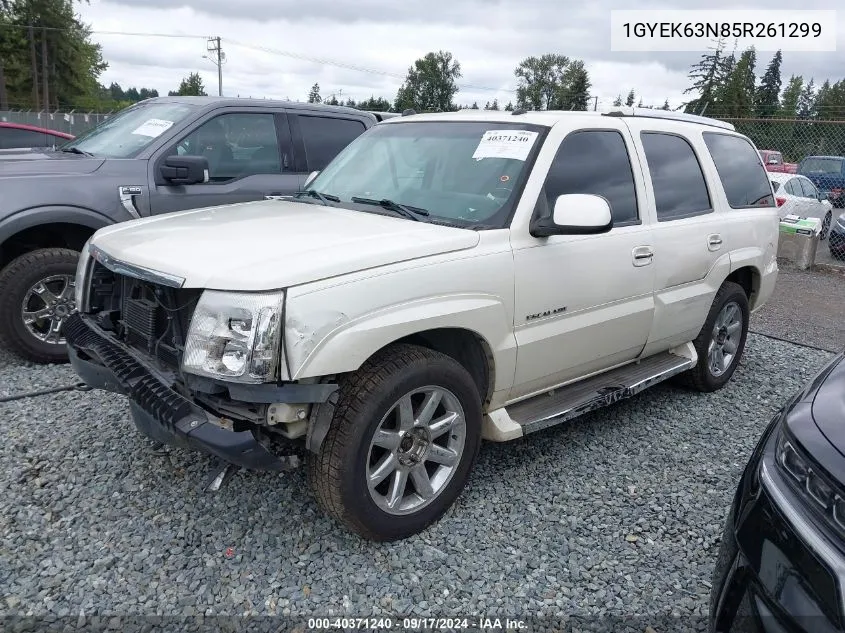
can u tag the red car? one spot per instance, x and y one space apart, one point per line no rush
773 161
20 136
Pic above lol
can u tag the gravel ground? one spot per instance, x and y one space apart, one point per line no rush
806 308
618 513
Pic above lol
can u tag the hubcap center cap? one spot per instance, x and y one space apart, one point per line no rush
413 446
722 336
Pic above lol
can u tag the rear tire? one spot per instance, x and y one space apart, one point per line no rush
721 342
390 465
37 284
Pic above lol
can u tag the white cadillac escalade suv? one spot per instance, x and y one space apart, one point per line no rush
448 278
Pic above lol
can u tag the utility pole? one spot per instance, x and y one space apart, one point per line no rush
596 104
44 76
215 48
34 61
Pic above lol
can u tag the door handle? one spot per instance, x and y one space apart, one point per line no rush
643 255
714 242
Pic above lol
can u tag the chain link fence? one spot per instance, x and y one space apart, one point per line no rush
794 139
73 122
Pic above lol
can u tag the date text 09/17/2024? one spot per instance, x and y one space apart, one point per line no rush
417 624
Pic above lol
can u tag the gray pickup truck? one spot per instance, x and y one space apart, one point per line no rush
161 155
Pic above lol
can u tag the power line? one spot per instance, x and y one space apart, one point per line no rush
92 32
363 69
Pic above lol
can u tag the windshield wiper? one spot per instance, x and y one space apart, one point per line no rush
412 213
322 197
75 150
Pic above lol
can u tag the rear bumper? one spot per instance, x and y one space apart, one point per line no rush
157 409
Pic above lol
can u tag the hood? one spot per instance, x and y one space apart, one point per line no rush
273 244
829 405
45 163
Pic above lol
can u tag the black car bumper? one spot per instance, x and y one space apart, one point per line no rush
159 411
778 570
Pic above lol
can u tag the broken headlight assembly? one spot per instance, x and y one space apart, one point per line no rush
235 336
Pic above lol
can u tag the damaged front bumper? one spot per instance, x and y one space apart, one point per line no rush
158 410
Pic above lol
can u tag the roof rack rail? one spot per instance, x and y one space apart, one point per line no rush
668 114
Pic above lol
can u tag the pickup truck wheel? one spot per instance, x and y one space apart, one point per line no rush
721 341
404 437
36 296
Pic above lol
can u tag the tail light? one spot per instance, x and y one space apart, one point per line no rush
780 201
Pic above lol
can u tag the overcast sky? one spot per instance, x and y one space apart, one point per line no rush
279 48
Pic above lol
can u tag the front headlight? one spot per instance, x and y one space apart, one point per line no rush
811 484
81 279
235 336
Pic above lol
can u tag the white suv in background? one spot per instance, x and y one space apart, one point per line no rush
447 278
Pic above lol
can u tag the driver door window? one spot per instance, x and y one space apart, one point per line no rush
595 162
236 145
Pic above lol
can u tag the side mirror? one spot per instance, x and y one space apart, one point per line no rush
185 170
575 214
310 179
823 196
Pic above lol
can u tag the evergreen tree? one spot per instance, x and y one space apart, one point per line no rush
791 96
509 107
314 94
768 93
474 105
736 97
665 105
575 91
618 101
706 76
807 101
631 98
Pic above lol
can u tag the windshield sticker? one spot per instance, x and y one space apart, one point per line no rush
514 144
152 127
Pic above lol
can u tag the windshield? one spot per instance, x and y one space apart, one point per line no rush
127 133
462 173
822 166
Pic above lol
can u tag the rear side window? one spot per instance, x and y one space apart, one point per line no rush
793 188
679 187
12 138
595 162
745 181
829 166
324 137
808 188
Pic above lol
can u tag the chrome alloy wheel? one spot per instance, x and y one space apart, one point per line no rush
46 306
724 341
416 450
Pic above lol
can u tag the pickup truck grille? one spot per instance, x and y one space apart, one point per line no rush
150 318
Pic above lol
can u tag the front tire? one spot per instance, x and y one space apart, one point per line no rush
36 296
721 341
404 437
828 218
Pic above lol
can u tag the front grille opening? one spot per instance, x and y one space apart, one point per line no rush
151 318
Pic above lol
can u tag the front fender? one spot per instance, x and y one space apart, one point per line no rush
325 342
39 216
